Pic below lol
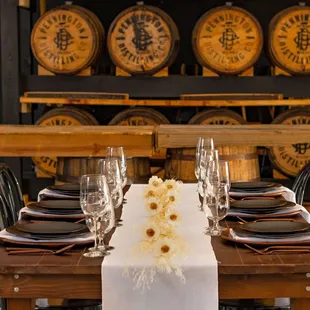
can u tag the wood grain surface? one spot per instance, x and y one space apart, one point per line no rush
74 141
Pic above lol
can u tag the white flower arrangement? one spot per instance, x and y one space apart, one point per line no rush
160 239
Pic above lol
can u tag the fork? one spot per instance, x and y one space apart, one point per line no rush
281 248
17 251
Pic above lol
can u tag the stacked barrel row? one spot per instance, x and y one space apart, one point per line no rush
143 40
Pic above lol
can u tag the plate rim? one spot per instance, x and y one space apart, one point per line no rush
307 226
45 233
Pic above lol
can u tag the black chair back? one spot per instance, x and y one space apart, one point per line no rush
10 191
300 183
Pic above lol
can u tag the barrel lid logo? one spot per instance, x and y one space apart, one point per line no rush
227 40
290 40
220 120
63 41
48 164
137 121
291 159
140 41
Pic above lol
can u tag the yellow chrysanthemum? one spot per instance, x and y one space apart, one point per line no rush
151 232
154 206
155 181
173 217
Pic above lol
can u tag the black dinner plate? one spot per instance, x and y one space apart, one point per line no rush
59 204
35 207
68 187
253 185
50 228
275 227
258 204
14 231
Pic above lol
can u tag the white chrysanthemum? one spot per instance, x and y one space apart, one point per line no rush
154 206
164 248
151 232
173 217
145 246
155 181
153 192
172 185
172 198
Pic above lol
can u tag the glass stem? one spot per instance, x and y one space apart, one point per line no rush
96 232
215 226
100 238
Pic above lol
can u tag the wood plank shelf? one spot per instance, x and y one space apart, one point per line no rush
28 99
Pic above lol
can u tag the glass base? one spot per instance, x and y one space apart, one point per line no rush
214 231
207 230
94 254
101 248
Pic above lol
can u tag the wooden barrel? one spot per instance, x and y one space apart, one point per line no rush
227 40
243 160
139 168
68 116
67 39
289 38
290 159
70 169
142 40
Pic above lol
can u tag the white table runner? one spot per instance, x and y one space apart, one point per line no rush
199 292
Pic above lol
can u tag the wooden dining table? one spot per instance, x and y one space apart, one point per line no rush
242 274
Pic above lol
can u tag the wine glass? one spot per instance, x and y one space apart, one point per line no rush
217 207
209 173
110 168
94 199
118 153
224 173
107 223
206 157
215 192
202 144
104 225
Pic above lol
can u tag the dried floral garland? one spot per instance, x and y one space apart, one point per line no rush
160 240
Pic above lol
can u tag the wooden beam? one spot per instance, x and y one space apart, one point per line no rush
24 141
24 3
185 136
84 100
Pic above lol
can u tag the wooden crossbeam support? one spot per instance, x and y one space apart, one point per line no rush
24 3
75 141
25 141
185 136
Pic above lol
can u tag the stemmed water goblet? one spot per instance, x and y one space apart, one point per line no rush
94 199
104 224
